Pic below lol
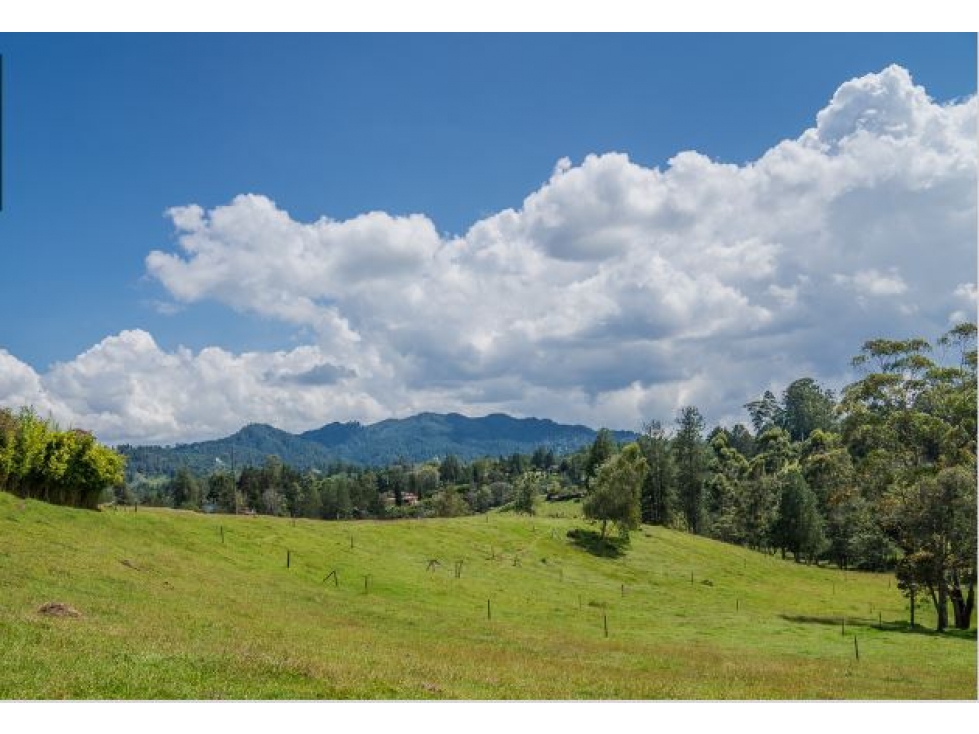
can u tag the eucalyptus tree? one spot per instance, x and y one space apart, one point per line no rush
910 425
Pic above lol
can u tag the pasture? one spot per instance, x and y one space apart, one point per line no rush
178 605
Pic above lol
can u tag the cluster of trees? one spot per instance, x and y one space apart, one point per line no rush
39 460
445 488
883 477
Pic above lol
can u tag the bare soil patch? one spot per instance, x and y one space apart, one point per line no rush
58 609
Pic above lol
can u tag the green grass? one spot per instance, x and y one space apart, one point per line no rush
190 617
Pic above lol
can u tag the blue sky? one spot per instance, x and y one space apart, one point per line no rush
104 134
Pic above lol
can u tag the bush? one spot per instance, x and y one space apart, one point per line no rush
40 461
449 503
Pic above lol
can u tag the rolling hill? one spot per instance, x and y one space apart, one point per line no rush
418 438
175 605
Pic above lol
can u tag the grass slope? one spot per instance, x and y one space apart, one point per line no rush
189 617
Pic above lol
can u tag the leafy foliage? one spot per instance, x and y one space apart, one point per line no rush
39 460
690 457
614 495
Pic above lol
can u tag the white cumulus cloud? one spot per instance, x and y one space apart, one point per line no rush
615 293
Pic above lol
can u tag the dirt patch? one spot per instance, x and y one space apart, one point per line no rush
58 609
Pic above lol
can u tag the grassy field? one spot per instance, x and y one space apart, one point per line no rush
170 611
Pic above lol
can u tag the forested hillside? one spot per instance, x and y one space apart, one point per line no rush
416 439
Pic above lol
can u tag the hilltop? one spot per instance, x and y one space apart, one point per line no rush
176 604
415 439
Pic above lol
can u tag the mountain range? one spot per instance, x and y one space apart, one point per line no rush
416 439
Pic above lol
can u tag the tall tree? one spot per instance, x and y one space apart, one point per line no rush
806 407
828 470
659 500
774 451
601 451
543 458
728 470
742 441
450 470
310 503
691 465
765 413
221 491
758 508
910 425
425 480
934 522
184 489
798 526
527 491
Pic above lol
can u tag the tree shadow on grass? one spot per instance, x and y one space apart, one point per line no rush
901 627
592 541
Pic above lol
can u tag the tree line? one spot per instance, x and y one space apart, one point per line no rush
882 477
448 487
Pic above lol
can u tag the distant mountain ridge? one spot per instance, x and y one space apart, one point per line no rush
418 438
